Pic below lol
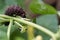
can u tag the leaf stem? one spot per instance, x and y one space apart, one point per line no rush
30 32
3 20
9 29
50 33
58 33
18 24
38 27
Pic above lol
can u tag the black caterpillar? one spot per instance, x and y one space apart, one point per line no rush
14 11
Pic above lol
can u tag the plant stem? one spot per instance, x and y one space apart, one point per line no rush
3 20
9 28
50 33
58 33
30 32
38 27
18 24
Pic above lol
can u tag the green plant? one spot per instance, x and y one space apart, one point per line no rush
18 20
39 7
45 25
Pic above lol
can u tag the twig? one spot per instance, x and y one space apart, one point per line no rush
9 29
50 33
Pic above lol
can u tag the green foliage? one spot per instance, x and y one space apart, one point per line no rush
2 4
3 35
39 7
48 21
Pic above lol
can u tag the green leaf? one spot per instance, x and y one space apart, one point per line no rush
3 35
2 4
39 7
21 3
48 21
10 2
17 35
15 2
3 31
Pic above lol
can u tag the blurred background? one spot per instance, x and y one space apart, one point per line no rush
48 21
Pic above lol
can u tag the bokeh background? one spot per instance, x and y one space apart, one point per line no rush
48 21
